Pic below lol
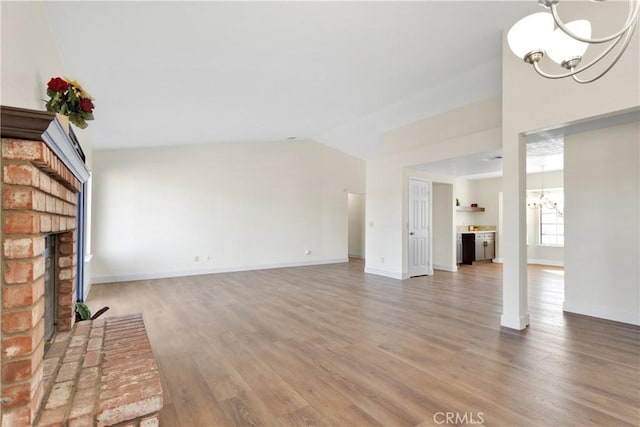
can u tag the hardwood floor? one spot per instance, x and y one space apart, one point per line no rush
330 345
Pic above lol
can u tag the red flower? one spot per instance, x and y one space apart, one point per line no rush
57 84
86 105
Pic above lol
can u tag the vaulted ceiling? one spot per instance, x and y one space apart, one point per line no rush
168 73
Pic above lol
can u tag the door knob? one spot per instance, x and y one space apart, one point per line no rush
411 233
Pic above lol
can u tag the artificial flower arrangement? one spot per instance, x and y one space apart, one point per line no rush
68 98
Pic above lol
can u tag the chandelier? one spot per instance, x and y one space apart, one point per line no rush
534 36
543 201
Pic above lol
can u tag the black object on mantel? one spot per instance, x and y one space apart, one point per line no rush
22 123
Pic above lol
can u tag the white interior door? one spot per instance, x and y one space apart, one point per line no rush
419 227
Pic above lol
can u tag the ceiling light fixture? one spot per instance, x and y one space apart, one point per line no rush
543 201
534 36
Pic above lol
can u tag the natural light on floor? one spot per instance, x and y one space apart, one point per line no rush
557 272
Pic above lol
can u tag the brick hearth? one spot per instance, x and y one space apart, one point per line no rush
102 373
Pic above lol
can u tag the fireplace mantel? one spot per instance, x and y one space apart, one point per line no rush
33 125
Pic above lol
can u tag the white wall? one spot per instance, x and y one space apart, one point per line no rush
443 201
464 196
356 225
29 55
602 199
29 59
235 206
532 103
471 129
484 192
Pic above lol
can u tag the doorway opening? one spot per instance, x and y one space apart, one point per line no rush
356 225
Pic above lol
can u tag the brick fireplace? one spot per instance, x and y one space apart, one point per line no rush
42 175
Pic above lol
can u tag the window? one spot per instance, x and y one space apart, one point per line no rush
552 219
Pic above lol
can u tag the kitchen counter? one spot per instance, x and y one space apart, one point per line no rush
475 246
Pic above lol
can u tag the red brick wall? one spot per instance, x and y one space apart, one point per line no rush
39 196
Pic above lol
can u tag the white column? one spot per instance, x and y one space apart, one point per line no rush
515 312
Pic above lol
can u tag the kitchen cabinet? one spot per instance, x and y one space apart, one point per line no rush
479 246
490 250
485 245
468 248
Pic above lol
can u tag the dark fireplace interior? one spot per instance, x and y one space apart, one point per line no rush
50 294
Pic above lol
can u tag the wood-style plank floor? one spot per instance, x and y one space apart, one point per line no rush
330 345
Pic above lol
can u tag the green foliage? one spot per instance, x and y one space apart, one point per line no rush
70 100
83 311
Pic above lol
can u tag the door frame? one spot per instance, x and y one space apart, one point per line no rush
429 224
363 230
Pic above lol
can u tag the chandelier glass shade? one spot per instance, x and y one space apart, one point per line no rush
562 48
544 33
543 200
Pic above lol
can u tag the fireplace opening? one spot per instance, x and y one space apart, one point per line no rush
50 288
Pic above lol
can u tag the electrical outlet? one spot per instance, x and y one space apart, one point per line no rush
381 260
208 258
197 259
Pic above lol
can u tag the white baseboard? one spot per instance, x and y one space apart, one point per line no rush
602 312
358 256
443 267
391 274
514 321
168 274
87 289
535 261
546 262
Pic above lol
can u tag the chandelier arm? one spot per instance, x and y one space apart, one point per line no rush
632 18
625 43
593 62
